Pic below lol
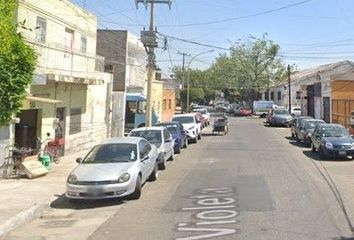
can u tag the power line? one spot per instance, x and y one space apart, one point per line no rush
192 42
241 17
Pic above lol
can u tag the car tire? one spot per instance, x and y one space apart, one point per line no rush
313 149
178 150
162 164
199 136
185 144
137 192
307 143
322 154
155 173
172 156
292 135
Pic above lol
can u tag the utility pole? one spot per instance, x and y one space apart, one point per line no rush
149 39
289 89
183 73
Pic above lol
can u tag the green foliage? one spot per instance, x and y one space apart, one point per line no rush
250 67
17 63
195 95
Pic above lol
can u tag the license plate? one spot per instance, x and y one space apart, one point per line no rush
342 152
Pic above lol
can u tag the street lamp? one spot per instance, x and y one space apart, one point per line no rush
190 62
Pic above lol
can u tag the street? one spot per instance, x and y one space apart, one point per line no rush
253 183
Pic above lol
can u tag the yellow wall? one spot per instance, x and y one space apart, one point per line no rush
157 98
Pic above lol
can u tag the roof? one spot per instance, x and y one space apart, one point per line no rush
167 123
147 128
184 115
132 140
135 97
312 72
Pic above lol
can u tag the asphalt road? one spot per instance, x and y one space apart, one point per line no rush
249 184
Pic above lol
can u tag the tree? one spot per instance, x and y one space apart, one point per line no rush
17 63
195 95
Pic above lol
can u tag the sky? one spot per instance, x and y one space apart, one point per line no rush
309 32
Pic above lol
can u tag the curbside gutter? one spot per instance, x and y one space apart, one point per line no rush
23 217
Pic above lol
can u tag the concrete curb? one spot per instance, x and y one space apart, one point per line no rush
23 217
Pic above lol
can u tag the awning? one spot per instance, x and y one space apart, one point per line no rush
43 100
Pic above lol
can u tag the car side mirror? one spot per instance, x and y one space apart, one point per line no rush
79 160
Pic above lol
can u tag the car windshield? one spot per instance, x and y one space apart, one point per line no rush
281 112
172 129
153 136
184 119
312 124
112 153
335 132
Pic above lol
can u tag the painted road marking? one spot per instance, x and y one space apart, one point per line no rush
215 207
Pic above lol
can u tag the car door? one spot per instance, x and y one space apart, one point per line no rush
168 143
316 137
144 159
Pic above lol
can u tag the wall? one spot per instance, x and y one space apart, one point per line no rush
169 111
157 98
61 15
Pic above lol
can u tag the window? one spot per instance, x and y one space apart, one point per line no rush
75 120
272 96
108 68
83 47
266 96
298 95
169 104
41 28
279 95
164 104
166 134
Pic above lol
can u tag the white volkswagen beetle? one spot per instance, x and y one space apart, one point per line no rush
115 168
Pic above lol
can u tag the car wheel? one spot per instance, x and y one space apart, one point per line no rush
292 135
137 192
172 155
186 144
162 165
322 154
307 142
178 150
155 173
313 149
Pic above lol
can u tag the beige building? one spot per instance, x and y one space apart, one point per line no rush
70 94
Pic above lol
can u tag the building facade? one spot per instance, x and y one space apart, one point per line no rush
310 89
125 58
69 97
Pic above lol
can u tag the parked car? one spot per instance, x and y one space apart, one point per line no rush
191 124
294 124
332 140
161 138
243 111
298 124
296 111
116 167
178 134
306 129
280 117
205 114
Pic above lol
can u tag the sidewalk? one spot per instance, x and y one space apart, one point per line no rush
25 199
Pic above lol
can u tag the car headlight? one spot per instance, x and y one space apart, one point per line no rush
72 179
329 145
124 178
352 145
309 134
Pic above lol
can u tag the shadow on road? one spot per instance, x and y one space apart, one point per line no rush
343 238
63 202
316 156
297 144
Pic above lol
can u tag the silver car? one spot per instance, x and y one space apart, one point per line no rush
161 138
115 168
